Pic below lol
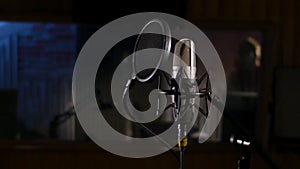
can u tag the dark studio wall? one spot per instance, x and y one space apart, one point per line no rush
35 10
279 16
102 12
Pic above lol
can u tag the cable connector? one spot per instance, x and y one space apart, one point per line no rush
183 142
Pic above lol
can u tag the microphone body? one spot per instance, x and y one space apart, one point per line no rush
184 71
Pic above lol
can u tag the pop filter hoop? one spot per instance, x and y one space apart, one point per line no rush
166 49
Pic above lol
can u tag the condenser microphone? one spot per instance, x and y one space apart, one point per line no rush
184 71
185 60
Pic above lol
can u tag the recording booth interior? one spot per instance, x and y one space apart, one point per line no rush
257 42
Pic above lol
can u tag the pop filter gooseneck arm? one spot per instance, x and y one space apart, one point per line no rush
149 131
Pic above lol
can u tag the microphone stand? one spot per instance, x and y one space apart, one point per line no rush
182 145
59 119
248 144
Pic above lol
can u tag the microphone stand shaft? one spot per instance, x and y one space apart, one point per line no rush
181 145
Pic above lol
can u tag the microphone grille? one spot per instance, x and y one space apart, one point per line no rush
186 58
